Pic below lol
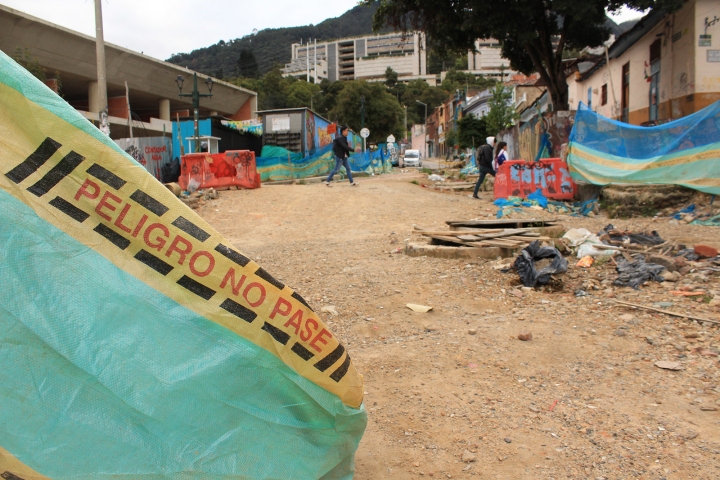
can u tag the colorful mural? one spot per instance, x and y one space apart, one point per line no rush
323 137
310 144
253 127
541 137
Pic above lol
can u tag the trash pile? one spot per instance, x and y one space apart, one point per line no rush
193 197
693 215
637 258
538 201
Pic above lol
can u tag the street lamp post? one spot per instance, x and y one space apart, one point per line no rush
424 126
362 115
196 102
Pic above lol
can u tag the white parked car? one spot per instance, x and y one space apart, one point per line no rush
412 159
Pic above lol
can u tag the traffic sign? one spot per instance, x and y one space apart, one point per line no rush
391 139
364 133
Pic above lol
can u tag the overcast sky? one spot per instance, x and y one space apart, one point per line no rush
160 28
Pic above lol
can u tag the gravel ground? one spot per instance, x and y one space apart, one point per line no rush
453 393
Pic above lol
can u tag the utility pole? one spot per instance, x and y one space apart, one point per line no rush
307 61
127 104
101 75
405 132
315 63
362 111
424 125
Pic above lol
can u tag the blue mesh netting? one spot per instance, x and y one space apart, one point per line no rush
683 152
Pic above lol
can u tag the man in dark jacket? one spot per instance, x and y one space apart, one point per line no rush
485 163
341 149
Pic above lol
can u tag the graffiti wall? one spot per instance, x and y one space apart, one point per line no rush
150 152
310 134
541 137
322 137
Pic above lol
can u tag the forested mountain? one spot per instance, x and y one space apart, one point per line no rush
271 46
254 55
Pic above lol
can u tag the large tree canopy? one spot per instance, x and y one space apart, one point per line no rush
533 33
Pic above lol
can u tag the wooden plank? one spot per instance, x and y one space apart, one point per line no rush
498 243
515 223
666 312
451 240
529 239
481 233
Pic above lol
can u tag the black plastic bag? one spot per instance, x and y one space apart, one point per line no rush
688 254
525 264
653 238
635 273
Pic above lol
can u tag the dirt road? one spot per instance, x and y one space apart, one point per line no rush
453 393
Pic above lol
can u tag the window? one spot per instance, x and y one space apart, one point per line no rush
603 97
655 50
589 98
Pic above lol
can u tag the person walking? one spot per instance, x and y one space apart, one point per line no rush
501 156
485 163
341 149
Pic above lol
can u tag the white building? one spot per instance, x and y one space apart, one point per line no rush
664 68
362 58
488 61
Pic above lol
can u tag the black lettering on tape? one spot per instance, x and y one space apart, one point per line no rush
236 257
302 352
115 238
69 209
10 476
191 229
196 287
238 310
56 174
106 176
36 160
338 374
153 262
333 357
269 278
300 299
276 333
149 202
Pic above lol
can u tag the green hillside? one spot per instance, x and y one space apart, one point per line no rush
254 55
272 46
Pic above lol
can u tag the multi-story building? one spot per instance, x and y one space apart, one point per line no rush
361 58
487 60
309 60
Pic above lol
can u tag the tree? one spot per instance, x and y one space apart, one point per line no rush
501 114
383 113
247 64
328 99
272 89
472 131
391 77
302 94
458 80
526 29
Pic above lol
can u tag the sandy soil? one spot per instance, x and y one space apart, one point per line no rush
453 393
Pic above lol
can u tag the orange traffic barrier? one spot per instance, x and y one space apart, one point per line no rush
234 168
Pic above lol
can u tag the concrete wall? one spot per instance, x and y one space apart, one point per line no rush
418 138
707 74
